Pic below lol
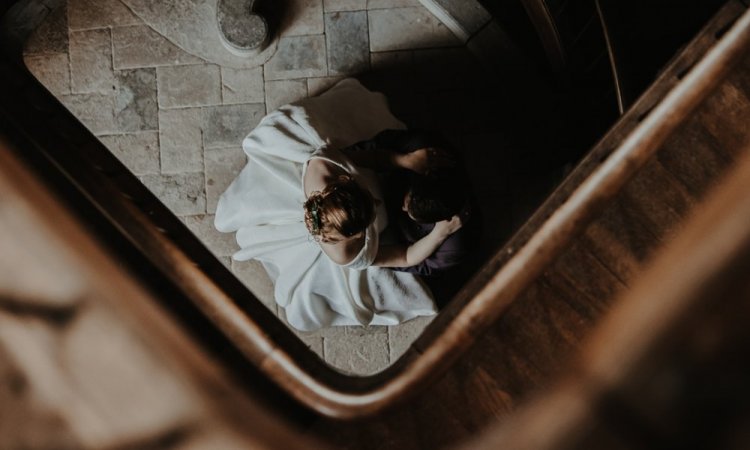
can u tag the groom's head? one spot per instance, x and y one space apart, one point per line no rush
437 196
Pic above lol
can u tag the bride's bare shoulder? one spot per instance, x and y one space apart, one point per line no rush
319 174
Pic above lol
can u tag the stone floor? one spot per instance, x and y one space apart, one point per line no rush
177 120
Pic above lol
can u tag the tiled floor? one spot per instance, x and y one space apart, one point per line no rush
177 121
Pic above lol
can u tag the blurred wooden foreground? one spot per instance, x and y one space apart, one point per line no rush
615 318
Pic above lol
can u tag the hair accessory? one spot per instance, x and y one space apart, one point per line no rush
315 213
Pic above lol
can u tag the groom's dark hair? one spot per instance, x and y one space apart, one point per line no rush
437 196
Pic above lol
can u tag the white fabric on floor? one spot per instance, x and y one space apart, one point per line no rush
263 205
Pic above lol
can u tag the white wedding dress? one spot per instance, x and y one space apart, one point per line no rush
263 205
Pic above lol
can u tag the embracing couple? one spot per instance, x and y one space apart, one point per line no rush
343 207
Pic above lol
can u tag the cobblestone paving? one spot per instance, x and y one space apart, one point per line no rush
177 121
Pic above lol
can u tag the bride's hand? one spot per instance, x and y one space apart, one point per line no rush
424 160
447 227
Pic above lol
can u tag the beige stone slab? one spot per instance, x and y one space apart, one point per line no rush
344 5
220 244
384 4
87 14
316 86
183 193
357 350
401 336
348 43
138 151
91 62
284 91
314 343
226 261
53 71
222 167
95 111
189 85
302 17
141 46
136 107
254 276
407 28
395 59
227 125
298 57
242 85
181 140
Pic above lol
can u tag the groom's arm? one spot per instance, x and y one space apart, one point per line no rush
388 150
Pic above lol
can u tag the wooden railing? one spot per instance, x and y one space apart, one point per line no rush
102 187
667 368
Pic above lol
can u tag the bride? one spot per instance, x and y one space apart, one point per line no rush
312 212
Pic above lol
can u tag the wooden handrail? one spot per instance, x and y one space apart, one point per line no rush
275 350
704 269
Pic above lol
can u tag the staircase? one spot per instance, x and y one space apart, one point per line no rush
508 335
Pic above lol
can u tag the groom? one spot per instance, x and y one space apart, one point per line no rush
415 202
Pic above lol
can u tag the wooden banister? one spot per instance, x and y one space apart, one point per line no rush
691 303
105 185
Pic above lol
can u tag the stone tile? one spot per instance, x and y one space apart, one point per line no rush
298 57
138 151
254 276
222 167
316 86
95 111
193 85
51 36
348 42
52 70
302 17
388 60
141 46
180 140
135 100
87 14
313 339
91 62
314 343
344 5
242 85
357 350
226 126
220 244
384 4
407 28
284 91
183 193
401 336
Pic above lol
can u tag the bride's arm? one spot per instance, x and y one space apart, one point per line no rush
411 255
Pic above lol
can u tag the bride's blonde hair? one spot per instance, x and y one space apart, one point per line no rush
342 208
